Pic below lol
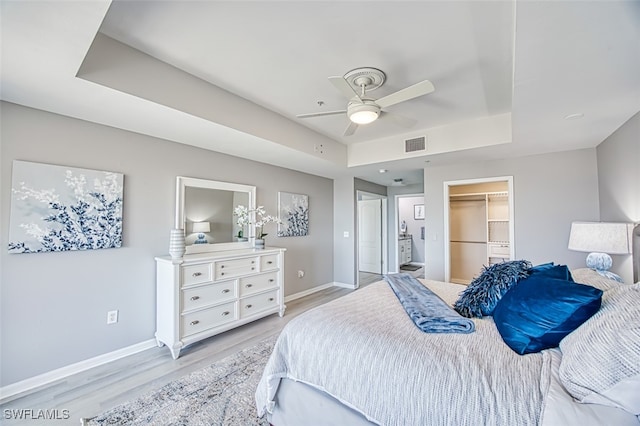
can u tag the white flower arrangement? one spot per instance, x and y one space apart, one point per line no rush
243 218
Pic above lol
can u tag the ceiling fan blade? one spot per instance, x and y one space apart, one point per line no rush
423 88
320 114
344 87
351 128
400 120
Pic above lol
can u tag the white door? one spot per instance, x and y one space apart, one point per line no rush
370 236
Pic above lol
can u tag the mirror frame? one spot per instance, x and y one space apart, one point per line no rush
183 182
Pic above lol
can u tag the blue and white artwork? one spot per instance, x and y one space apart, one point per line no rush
293 212
57 208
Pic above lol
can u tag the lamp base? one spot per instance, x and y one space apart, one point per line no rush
201 240
601 262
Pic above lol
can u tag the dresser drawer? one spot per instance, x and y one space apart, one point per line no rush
205 319
269 262
236 267
260 302
196 274
256 283
197 297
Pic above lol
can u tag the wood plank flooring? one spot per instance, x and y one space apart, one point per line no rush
93 391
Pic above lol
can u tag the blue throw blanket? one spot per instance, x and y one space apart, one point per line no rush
429 313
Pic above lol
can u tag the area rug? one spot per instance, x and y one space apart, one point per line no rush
220 394
410 267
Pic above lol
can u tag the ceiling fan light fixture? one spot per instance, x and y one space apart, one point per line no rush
363 113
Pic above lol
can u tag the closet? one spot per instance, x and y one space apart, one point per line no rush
479 228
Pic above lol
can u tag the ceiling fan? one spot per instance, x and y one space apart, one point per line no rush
362 109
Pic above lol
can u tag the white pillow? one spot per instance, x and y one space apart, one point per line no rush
601 358
594 279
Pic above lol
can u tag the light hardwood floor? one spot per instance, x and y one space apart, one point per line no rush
91 392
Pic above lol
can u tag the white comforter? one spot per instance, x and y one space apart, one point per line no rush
364 350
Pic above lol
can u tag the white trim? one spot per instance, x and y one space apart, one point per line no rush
307 292
345 285
61 373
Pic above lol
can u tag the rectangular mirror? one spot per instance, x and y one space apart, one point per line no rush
205 211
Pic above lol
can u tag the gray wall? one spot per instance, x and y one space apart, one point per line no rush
54 305
344 217
619 184
550 191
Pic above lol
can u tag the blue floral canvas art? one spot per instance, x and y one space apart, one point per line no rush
57 208
293 212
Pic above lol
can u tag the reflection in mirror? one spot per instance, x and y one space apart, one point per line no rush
215 207
205 211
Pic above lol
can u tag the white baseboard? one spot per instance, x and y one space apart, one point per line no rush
307 292
344 285
60 373
317 289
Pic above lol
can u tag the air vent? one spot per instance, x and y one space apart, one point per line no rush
415 144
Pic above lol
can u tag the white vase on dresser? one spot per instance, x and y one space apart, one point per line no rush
205 294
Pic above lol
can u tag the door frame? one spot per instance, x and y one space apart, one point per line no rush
450 183
384 230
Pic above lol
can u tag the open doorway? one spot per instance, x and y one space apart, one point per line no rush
479 226
409 234
372 237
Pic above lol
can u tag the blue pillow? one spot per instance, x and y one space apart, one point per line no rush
551 270
539 312
484 292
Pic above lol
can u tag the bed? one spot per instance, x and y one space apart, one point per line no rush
360 360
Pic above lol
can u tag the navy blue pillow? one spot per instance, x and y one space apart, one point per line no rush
539 312
550 270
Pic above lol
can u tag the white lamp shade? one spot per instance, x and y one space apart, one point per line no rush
602 237
201 227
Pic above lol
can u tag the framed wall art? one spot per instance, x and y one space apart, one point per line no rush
293 212
418 211
58 208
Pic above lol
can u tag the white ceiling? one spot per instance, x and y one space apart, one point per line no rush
537 61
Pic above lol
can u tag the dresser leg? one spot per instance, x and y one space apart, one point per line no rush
281 312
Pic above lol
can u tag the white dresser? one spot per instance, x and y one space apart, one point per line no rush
202 295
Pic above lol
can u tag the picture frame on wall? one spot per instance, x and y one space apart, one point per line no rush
62 208
293 212
418 211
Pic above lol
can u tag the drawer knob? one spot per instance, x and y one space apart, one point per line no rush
271 299
249 306
196 274
195 297
253 261
226 290
225 313
253 267
271 280
249 285
221 273
270 262
196 322
221 266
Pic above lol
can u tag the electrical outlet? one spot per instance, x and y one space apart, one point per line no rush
300 274
112 317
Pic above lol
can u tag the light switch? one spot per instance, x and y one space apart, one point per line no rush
346 234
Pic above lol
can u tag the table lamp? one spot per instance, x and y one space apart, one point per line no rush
201 228
601 239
